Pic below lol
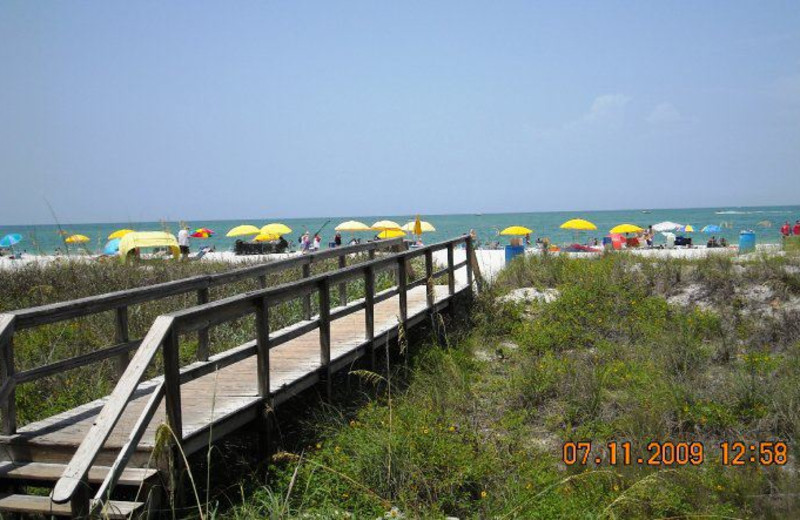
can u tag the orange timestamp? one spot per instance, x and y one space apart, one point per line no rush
668 453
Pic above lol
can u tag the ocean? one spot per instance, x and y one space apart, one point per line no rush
44 239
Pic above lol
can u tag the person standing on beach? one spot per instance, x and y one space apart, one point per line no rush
796 229
337 239
785 229
305 242
317 242
183 241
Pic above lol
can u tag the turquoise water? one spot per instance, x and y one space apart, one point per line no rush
45 239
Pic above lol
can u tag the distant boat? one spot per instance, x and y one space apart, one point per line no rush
646 211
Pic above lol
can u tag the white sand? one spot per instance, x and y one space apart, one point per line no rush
490 261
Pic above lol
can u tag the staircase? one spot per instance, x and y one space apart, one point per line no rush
137 485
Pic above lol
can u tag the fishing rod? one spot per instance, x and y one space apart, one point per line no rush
323 227
61 232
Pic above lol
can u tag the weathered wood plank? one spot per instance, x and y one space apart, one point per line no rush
8 404
111 412
76 362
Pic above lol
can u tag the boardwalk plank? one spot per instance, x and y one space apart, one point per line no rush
233 388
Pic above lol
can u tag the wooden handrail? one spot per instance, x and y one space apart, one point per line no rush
164 334
61 311
78 468
119 301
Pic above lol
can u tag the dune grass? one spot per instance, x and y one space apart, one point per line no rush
474 427
39 284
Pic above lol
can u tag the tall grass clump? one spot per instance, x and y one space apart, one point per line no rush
478 429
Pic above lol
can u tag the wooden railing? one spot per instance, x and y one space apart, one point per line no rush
165 333
120 302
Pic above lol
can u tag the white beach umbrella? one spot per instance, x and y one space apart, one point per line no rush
666 226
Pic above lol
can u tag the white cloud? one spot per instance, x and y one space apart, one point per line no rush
665 113
606 112
607 106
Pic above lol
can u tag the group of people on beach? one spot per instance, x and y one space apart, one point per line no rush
788 230
308 244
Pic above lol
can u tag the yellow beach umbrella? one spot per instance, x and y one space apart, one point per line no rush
119 233
578 224
516 231
626 228
77 239
276 228
243 230
688 228
424 227
383 225
266 237
352 225
391 233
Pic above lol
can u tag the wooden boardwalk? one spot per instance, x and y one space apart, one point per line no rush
89 451
233 389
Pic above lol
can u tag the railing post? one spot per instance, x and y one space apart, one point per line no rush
343 285
369 312
402 287
262 347
371 254
262 281
121 335
325 334
262 363
202 334
80 502
429 294
451 273
468 244
172 384
307 297
8 406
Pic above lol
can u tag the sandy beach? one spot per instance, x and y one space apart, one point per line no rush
490 261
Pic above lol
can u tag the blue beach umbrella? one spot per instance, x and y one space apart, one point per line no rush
711 228
10 240
112 247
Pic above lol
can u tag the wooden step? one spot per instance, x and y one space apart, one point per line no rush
30 504
47 472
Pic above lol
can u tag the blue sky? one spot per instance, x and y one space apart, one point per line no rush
134 111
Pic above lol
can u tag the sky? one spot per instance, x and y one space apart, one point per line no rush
135 111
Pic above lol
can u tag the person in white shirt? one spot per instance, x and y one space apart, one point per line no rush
183 241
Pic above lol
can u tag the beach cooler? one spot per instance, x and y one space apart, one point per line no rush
613 242
747 241
512 251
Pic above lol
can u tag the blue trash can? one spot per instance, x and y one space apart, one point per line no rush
747 241
512 251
